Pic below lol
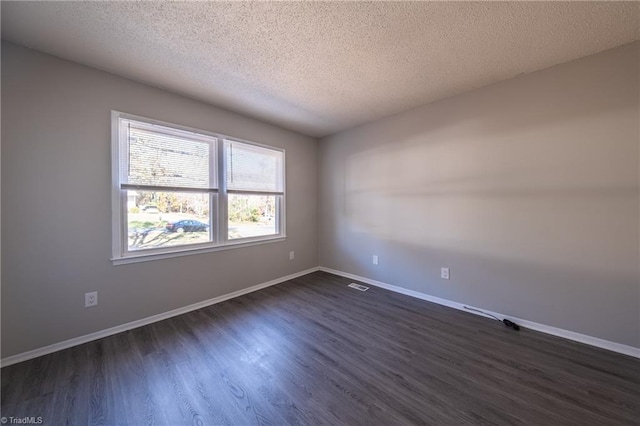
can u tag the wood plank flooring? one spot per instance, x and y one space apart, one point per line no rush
313 351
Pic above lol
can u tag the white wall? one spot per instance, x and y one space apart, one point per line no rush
56 205
526 189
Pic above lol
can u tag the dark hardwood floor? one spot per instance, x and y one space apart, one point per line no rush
312 351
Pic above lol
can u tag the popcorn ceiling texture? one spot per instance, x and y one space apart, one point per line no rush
316 67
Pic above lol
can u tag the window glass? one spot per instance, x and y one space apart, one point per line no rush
166 195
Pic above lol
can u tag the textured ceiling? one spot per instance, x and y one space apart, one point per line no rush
317 67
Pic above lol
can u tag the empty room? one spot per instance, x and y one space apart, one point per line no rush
320 213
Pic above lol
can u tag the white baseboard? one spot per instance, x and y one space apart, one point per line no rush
582 338
14 359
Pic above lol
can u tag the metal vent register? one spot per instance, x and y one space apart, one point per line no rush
359 287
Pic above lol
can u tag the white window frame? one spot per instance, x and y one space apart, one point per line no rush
219 223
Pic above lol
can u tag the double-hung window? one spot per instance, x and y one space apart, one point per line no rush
178 190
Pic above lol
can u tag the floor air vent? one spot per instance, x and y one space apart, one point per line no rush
359 287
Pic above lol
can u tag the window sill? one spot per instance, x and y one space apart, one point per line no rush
186 251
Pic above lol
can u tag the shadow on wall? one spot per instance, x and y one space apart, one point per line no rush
528 189
548 185
551 215
552 235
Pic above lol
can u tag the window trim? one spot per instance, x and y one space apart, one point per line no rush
218 226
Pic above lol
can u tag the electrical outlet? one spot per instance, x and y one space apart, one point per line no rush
292 255
375 259
444 273
90 299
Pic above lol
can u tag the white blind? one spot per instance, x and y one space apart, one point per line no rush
254 169
153 155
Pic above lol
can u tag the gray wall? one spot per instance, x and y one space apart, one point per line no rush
56 205
526 189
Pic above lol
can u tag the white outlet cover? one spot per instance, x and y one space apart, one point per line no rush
292 255
375 259
90 299
444 273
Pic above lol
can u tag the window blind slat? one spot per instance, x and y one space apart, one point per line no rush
129 186
240 192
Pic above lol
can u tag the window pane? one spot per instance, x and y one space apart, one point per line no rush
164 219
253 168
155 156
252 215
